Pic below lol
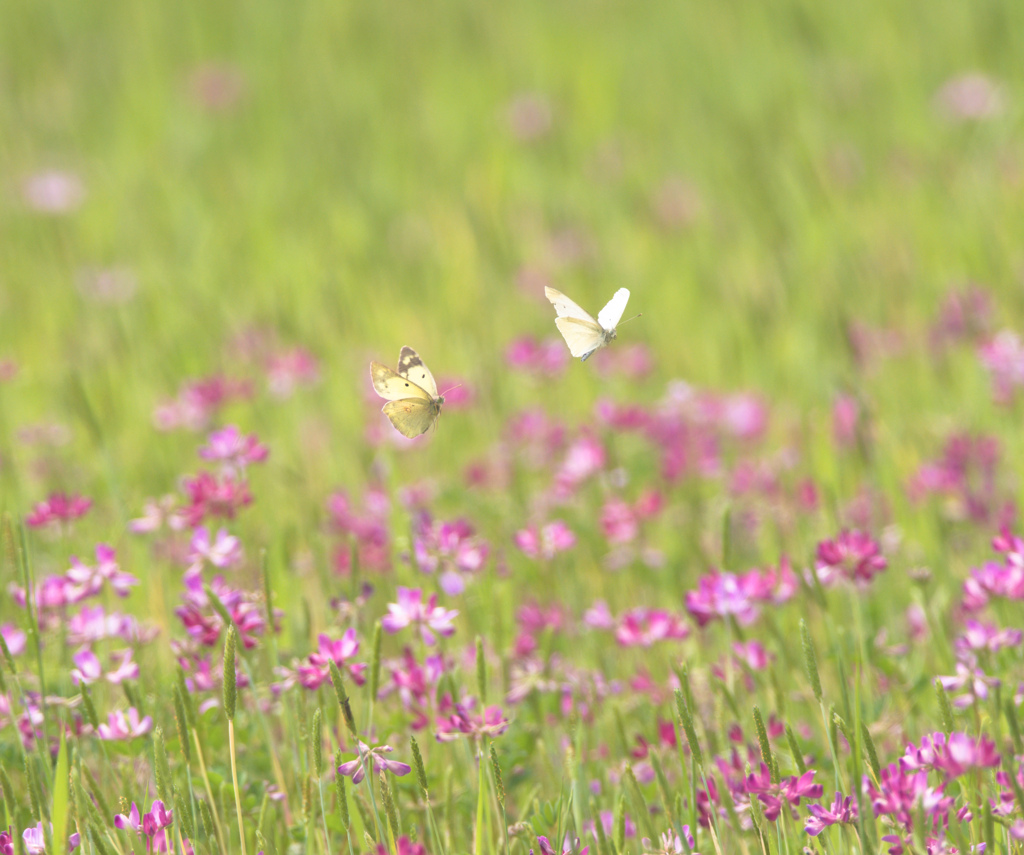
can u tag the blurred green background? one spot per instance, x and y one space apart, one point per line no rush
359 176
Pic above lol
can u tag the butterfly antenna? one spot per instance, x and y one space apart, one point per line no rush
639 315
446 391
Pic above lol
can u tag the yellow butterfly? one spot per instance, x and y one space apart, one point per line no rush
413 403
580 330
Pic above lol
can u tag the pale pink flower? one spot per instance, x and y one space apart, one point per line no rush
410 610
53 192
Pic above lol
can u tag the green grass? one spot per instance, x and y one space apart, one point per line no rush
365 192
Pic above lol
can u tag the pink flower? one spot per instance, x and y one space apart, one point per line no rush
85 581
53 191
234 450
198 402
548 357
457 720
318 671
355 769
721 594
87 667
1003 357
14 638
618 522
642 627
986 636
450 547
841 811
209 495
584 458
529 117
410 610
404 846
35 839
953 757
552 538
289 370
569 847
845 418
58 507
121 725
632 360
131 822
223 551
852 555
157 819
970 97
217 86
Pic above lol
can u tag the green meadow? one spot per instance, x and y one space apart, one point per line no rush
813 205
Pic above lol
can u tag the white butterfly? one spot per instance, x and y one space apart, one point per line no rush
581 332
413 403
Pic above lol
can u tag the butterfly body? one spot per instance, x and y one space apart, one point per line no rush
413 404
582 332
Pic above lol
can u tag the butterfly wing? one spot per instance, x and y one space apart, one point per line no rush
566 308
583 337
412 416
611 314
394 387
412 368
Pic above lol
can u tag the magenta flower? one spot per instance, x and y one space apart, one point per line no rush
548 357
642 627
14 638
158 818
234 450
85 581
960 754
852 556
846 415
719 595
404 846
287 370
986 636
415 684
965 479
203 623
198 402
209 495
318 671
35 839
584 458
130 822
841 811
367 530
222 551
457 720
899 793
546 542
121 725
450 547
410 610
618 522
156 514
1003 356
356 770
87 667
569 847
970 676
670 843
57 508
